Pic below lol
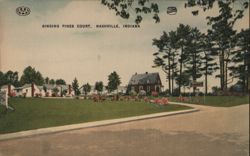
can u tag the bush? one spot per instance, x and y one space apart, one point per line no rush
132 93
47 94
12 94
54 94
24 95
154 93
38 95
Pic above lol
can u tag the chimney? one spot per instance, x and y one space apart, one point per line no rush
9 90
32 89
69 90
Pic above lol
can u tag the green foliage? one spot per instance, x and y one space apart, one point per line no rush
45 89
142 8
241 57
132 93
2 81
34 113
30 75
99 86
46 80
75 86
113 81
217 101
193 63
64 92
209 64
86 88
60 82
224 37
124 9
9 77
52 81
166 56
55 90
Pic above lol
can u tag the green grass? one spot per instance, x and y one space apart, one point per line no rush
217 101
33 113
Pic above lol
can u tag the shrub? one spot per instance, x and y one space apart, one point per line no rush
47 94
38 95
154 93
12 94
132 93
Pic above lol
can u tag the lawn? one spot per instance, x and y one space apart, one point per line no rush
33 113
217 101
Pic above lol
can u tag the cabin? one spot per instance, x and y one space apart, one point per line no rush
28 90
149 82
61 88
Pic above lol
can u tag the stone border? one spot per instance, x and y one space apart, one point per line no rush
89 125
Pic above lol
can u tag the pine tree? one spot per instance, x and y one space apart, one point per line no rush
183 31
223 36
240 59
165 57
209 65
99 87
193 54
86 89
114 81
75 86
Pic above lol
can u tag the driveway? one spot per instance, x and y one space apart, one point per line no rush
212 131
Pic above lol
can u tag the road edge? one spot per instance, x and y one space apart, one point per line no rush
57 129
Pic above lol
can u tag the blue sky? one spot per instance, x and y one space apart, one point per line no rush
88 54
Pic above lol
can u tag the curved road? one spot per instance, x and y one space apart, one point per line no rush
212 131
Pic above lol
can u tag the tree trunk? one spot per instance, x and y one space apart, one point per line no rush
245 76
225 79
172 81
169 75
222 82
206 79
194 71
180 78
173 72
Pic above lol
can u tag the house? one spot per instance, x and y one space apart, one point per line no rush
148 82
28 90
61 88
48 89
10 89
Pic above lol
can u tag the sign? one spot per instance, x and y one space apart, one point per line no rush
4 98
196 84
171 10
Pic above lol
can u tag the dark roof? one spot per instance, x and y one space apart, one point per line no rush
146 78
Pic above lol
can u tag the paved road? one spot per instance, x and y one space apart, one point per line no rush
209 132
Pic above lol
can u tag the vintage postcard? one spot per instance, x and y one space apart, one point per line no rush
124 77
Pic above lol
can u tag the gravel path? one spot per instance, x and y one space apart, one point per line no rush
212 131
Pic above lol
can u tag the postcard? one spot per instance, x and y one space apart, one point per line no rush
124 77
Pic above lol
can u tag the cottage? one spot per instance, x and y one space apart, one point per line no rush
148 82
28 90
61 90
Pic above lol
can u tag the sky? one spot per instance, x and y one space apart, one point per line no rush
90 55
